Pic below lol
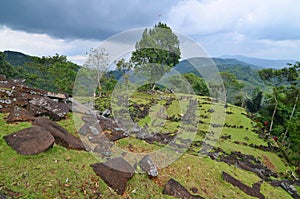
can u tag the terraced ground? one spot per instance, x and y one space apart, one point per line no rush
63 173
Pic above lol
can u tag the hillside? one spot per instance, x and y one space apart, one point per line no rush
263 63
245 72
239 152
17 58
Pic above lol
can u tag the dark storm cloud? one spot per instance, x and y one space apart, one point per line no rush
92 19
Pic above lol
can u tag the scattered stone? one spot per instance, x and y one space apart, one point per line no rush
18 114
62 136
115 173
30 141
226 137
288 186
148 166
249 163
174 188
116 135
251 191
55 110
211 110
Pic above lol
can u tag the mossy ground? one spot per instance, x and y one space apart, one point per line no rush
62 173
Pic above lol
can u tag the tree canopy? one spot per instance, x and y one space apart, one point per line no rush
156 53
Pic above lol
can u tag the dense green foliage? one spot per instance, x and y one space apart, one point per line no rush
281 108
54 73
156 53
197 85
5 67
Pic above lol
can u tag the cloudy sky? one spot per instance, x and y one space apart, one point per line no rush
258 28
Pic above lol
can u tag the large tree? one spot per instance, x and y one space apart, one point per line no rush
156 53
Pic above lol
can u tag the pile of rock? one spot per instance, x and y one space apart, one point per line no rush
28 104
15 97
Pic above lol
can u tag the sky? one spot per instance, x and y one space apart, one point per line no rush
264 29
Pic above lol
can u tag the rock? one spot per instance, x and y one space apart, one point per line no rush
30 141
116 135
194 190
115 173
62 136
18 114
2 77
55 110
106 113
90 129
148 166
56 95
251 191
174 188
104 148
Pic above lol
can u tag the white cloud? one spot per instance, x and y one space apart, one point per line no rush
44 45
274 19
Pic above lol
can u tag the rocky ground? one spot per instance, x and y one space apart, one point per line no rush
113 153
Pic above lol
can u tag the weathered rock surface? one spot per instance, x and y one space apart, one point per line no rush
55 110
115 173
251 191
288 186
30 141
18 114
175 189
148 166
62 136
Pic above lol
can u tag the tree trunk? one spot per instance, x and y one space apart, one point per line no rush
273 115
153 86
100 90
291 116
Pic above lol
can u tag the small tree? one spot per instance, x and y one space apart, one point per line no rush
156 53
124 67
98 60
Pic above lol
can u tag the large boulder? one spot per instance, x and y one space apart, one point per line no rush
61 135
115 173
19 114
174 188
30 141
55 110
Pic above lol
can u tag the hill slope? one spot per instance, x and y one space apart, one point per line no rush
66 173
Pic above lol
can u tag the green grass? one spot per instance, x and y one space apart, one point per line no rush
62 173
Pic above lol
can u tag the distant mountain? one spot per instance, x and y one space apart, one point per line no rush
264 63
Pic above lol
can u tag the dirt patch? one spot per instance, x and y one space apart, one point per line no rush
268 163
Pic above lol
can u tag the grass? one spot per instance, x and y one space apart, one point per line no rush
62 173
